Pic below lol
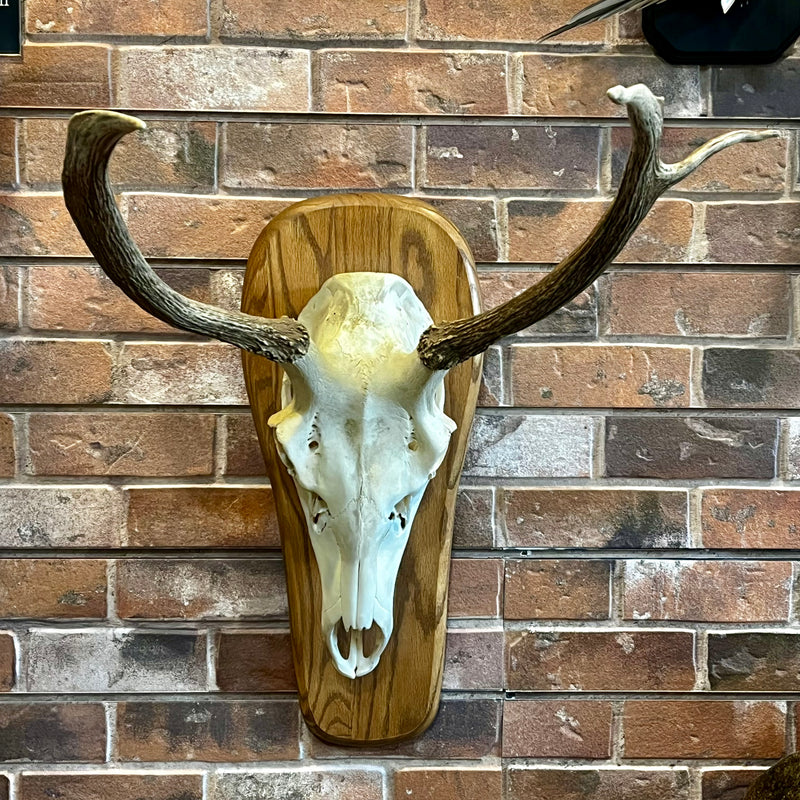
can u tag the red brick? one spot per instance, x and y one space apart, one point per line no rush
180 374
750 377
448 783
624 518
7 663
752 233
548 230
411 82
198 227
121 444
255 662
728 784
703 729
504 21
526 783
557 589
750 518
9 297
245 588
336 19
575 85
167 18
46 516
38 225
620 376
169 155
69 75
100 786
708 591
474 524
8 152
570 660
473 659
263 156
698 304
8 459
475 219
202 517
243 453
208 731
475 587
53 371
62 588
212 77
557 729
52 732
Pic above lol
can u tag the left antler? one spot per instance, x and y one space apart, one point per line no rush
645 179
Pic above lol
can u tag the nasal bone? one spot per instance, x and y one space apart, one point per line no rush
358 583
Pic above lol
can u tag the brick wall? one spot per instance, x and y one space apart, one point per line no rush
624 622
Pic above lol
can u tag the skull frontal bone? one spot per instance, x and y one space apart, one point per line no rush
362 430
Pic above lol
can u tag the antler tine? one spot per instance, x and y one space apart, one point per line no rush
645 179
91 138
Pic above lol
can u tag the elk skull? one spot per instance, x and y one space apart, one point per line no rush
362 426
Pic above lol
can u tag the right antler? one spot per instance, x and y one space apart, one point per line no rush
645 179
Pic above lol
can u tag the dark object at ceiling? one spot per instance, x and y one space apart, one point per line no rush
694 32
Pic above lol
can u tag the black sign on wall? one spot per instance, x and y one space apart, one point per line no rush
10 28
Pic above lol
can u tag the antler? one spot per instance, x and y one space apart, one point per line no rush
645 179
91 138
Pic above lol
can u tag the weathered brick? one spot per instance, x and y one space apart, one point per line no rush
8 152
570 86
107 660
246 588
201 227
754 662
102 785
337 19
167 18
473 526
750 378
9 297
621 518
172 155
121 444
448 783
263 156
747 92
525 783
557 589
500 157
70 75
179 374
63 588
212 730
579 376
698 304
473 659
690 447
5 790
7 451
7 663
756 167
243 453
576 319
475 587
569 660
728 784
44 516
54 371
212 77
548 230
38 225
492 392
557 729
52 731
255 662
708 591
202 517
475 219
792 450
750 518
413 82
522 445
752 233
310 783
703 729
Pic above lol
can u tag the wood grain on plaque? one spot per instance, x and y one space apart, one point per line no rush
296 253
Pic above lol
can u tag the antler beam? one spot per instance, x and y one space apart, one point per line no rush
91 138
645 179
